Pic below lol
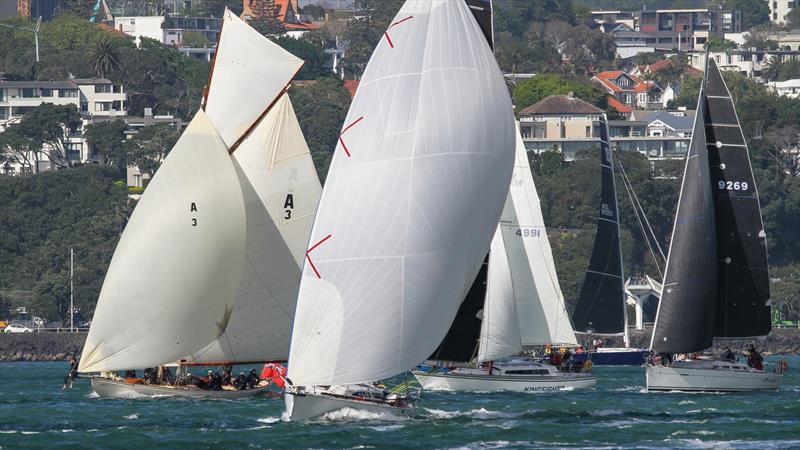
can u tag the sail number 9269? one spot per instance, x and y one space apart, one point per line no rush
732 185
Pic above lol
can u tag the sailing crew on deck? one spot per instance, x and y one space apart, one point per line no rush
754 359
729 355
71 373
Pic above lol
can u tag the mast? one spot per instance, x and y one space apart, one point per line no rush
685 316
602 304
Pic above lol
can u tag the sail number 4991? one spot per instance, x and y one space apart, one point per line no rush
528 232
732 185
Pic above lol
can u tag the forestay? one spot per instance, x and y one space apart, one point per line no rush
500 335
281 192
249 72
543 317
171 283
412 198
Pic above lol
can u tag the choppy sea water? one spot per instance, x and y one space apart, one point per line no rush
36 413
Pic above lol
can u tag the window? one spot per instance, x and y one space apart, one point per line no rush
30 93
2 95
117 88
102 88
588 131
102 106
47 92
4 112
68 93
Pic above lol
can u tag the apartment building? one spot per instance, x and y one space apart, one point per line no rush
778 9
788 88
747 62
95 98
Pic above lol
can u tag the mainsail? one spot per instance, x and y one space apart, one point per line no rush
172 280
601 305
280 188
412 199
542 313
742 308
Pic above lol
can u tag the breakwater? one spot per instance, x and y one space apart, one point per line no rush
782 341
40 346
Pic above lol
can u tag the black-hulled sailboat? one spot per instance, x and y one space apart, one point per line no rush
716 282
601 308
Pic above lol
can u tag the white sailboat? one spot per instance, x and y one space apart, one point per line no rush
236 310
412 198
716 282
523 305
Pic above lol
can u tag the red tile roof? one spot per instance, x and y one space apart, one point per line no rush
618 105
352 86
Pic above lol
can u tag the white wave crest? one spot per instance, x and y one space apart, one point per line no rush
131 417
269 419
358 414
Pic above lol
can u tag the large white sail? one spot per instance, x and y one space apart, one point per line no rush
500 334
543 317
172 280
248 74
281 191
411 201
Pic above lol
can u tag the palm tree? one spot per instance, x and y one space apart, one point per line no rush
104 57
771 69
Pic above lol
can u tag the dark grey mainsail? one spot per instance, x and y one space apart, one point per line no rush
742 308
482 10
601 305
685 318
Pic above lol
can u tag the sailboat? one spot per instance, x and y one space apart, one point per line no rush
716 282
523 306
413 196
602 307
211 257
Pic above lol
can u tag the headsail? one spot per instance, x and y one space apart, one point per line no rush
412 198
685 317
500 335
174 274
249 72
601 305
542 313
742 308
281 192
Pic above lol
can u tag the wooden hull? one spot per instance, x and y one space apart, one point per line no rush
514 383
687 379
108 388
311 405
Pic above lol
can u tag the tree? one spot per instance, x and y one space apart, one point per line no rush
315 11
365 29
754 12
106 140
104 57
718 44
760 41
195 39
530 91
44 130
793 17
771 69
52 297
148 148
310 51
268 26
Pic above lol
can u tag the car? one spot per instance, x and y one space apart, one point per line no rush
17 328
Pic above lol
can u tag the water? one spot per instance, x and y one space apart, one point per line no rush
35 412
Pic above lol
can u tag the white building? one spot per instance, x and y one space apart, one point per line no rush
779 8
747 62
141 26
96 99
788 88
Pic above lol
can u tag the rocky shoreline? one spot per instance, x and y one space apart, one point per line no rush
57 346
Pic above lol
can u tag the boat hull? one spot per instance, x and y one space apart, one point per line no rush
492 383
660 378
108 388
304 406
614 357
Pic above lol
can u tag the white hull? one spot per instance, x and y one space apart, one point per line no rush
311 405
515 383
683 378
107 388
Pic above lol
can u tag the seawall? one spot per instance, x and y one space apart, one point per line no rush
40 346
782 341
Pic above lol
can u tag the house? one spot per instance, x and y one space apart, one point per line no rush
286 11
749 62
629 90
779 8
560 122
788 88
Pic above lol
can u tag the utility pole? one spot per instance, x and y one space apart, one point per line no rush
34 30
71 298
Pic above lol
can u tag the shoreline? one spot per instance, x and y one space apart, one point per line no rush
52 346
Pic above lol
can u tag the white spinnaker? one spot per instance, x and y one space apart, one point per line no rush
543 317
171 283
405 221
248 74
500 336
281 191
